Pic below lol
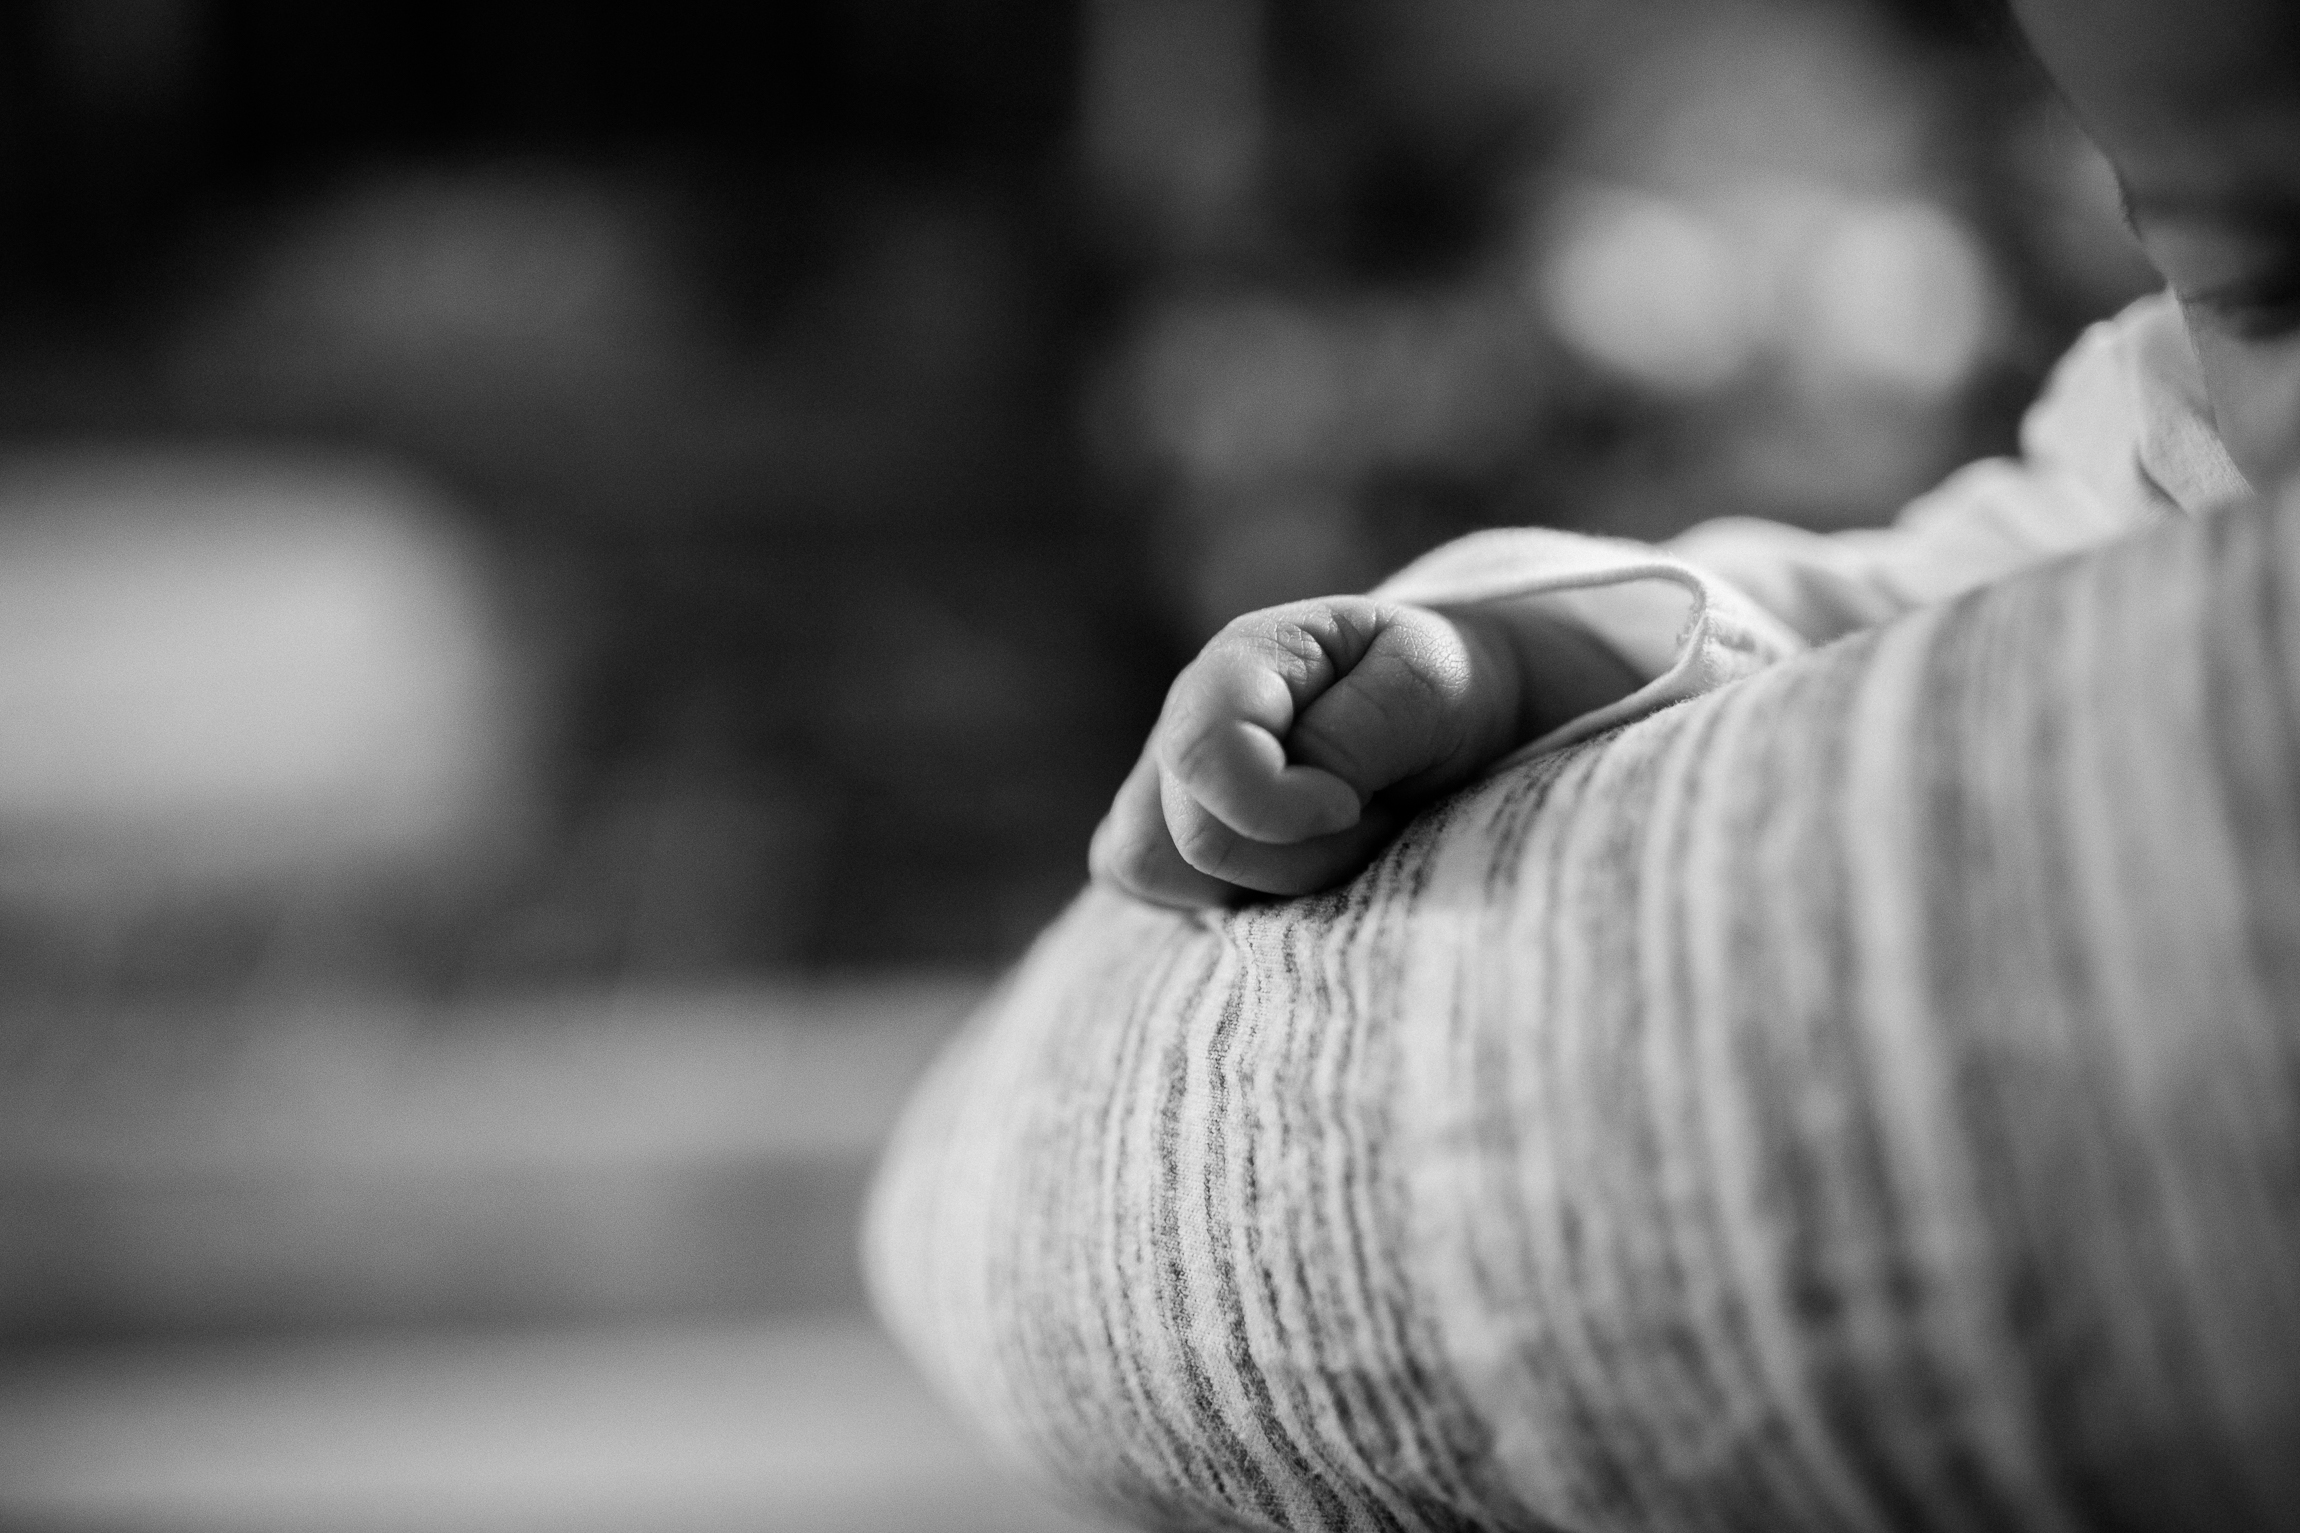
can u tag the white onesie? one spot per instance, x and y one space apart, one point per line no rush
2121 438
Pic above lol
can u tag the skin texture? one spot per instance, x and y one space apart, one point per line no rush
2197 104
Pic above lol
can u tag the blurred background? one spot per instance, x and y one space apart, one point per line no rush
574 577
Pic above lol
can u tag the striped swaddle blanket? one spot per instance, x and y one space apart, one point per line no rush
1865 1097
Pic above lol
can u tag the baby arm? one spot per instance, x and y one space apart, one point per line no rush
1301 739
1292 749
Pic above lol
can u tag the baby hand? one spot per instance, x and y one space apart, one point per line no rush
1299 741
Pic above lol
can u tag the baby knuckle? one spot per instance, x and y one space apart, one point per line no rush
1278 644
1193 756
1302 640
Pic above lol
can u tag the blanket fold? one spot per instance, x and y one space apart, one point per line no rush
1866 1096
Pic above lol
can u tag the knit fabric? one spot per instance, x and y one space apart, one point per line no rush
1864 1097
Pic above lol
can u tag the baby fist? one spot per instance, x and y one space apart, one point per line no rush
1297 742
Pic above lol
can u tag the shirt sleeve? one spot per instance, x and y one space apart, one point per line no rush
1677 626
2120 439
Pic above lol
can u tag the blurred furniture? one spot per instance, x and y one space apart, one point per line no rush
306 1162
583 1261
807 1425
